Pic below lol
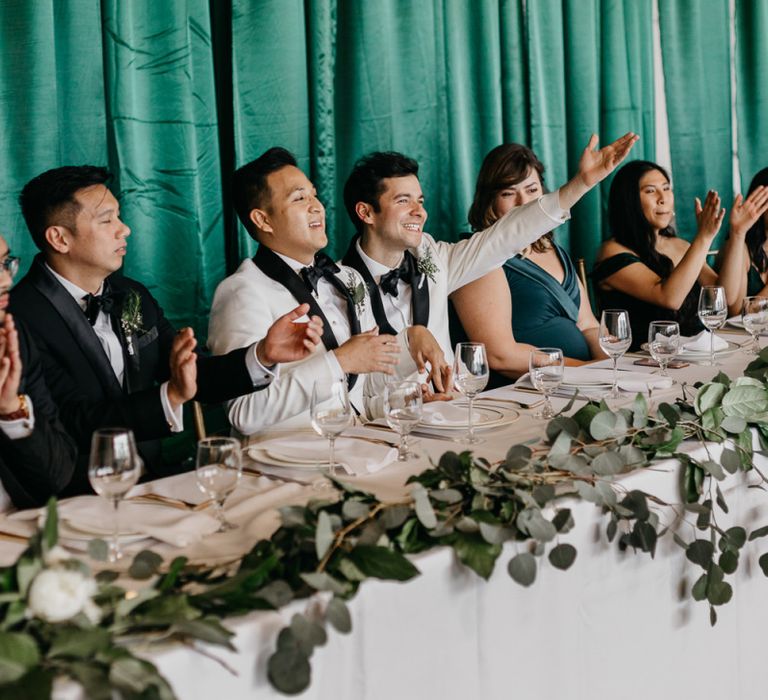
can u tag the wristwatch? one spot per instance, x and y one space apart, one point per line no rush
21 412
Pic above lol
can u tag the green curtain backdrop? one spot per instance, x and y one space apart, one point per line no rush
172 94
752 88
695 44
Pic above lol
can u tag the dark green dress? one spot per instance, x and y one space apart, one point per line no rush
755 283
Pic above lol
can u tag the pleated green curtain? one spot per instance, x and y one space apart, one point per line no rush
752 87
695 44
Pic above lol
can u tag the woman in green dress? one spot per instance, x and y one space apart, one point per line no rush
551 307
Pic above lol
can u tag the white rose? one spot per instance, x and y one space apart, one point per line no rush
59 594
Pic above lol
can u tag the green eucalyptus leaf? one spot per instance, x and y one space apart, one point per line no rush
746 401
353 509
495 534
708 397
522 568
79 643
736 536
394 516
383 563
322 581
350 571
607 463
763 562
207 629
733 424
719 593
669 413
337 613
543 493
561 425
129 674
758 532
424 511
51 527
713 469
277 593
563 520
587 492
476 553
639 411
562 556
561 445
584 416
27 567
98 549
531 520
729 561
700 552
289 671
730 460
607 424
450 463
18 654
145 565
699 590
448 496
518 457
610 530
607 493
636 502
308 633
323 534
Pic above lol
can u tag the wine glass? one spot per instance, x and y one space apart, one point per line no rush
219 467
114 468
331 413
546 366
470 375
663 342
402 409
754 314
712 312
615 337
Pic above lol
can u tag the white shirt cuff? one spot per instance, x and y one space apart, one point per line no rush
333 365
260 375
175 418
22 427
550 205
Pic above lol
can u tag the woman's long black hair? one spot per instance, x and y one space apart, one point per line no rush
756 234
627 222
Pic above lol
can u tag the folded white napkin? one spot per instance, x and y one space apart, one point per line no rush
356 455
586 376
447 413
700 343
638 382
93 515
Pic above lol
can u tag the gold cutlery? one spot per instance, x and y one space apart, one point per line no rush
159 499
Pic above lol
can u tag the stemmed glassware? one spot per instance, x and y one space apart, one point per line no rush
402 409
114 468
615 337
470 375
331 413
713 311
754 315
546 366
663 342
219 467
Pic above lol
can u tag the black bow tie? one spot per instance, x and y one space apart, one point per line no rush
322 267
388 281
95 303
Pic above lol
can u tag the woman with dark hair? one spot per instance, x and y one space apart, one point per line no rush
551 308
748 223
645 268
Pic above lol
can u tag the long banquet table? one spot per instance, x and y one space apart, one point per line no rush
615 625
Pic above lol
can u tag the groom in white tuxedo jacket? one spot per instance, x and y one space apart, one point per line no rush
409 275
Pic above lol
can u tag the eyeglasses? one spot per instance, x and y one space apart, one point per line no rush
10 264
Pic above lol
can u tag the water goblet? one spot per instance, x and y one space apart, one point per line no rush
114 468
546 366
754 315
470 375
219 468
663 342
331 413
403 409
713 311
615 337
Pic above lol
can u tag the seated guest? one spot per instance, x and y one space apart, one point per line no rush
279 208
37 456
551 307
645 268
408 273
109 355
747 223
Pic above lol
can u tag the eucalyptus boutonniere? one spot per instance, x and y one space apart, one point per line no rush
131 319
426 265
356 291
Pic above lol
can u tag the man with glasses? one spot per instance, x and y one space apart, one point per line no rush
37 455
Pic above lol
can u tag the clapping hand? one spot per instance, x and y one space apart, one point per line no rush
747 211
709 218
596 165
182 386
369 352
288 341
10 367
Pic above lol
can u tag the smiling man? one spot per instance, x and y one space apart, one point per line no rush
109 354
408 273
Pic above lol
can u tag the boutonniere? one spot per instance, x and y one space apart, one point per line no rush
426 265
356 291
131 319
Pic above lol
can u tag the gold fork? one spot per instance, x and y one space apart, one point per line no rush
159 499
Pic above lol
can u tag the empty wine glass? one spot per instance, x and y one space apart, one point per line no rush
754 315
114 468
615 337
546 366
663 342
403 409
219 467
470 375
712 312
331 413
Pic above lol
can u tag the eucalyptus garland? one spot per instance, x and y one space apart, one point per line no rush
326 549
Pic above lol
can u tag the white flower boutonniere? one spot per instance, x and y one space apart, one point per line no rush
131 319
356 291
426 265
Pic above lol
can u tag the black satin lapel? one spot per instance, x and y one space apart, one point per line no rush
419 296
272 266
78 326
353 259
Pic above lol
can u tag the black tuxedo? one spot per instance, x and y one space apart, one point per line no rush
40 465
81 379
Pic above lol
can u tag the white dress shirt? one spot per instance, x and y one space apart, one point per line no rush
398 309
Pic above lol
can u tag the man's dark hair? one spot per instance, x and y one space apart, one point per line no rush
49 199
365 182
249 184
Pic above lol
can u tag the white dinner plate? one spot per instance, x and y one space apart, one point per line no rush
484 416
736 322
699 354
